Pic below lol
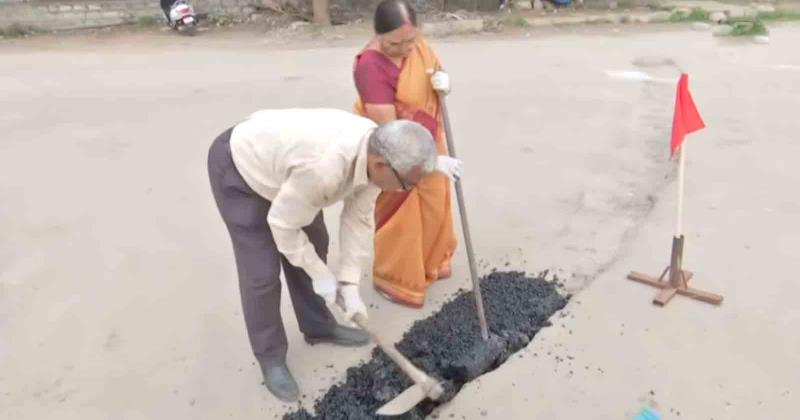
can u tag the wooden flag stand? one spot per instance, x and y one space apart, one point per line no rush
674 279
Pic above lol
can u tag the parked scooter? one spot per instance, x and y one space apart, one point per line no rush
181 17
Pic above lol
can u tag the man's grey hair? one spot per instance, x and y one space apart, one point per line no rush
405 145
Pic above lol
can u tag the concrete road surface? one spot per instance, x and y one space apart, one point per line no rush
118 296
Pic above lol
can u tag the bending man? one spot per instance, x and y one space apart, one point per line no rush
271 176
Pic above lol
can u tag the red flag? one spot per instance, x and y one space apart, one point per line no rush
687 119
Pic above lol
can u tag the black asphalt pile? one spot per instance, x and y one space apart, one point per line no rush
448 346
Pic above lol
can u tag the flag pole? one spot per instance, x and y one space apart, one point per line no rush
681 171
676 275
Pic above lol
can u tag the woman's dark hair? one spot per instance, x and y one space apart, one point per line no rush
392 14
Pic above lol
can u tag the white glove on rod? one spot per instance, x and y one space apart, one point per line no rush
350 301
441 82
448 166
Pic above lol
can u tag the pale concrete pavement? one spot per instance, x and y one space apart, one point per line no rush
117 289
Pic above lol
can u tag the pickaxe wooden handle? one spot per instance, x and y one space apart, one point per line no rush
432 387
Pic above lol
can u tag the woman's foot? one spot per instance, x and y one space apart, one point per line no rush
386 295
445 270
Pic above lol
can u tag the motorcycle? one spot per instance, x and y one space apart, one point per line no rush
182 18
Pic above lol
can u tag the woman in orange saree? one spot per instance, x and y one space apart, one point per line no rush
414 239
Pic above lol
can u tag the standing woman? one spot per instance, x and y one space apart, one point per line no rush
398 76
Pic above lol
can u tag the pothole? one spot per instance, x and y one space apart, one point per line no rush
447 346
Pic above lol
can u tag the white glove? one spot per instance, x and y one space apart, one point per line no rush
448 166
441 82
350 301
326 288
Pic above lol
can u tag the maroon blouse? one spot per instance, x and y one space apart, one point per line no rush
376 78
376 81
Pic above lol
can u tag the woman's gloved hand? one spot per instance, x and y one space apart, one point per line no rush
448 166
441 82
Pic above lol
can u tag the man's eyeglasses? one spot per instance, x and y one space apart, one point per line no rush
399 178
